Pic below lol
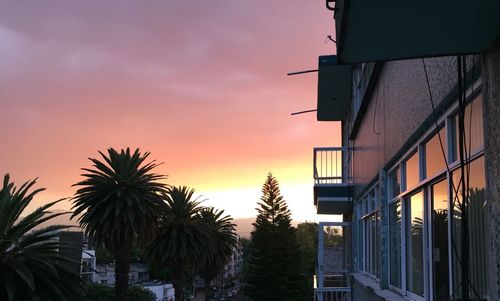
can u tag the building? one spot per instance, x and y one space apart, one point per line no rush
88 266
162 291
416 180
105 273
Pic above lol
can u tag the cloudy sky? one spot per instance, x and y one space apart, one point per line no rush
201 85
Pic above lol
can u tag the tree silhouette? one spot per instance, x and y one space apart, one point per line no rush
273 272
31 264
119 202
224 239
184 238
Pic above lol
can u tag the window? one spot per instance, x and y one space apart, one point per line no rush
370 224
415 243
473 127
425 217
395 243
412 171
435 162
395 183
440 241
477 232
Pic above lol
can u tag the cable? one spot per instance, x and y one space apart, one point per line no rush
375 113
465 155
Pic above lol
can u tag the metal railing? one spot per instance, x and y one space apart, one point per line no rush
331 165
332 294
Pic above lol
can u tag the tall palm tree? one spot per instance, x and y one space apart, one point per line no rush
223 238
119 202
183 237
31 264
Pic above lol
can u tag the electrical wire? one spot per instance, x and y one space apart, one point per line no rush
375 113
465 155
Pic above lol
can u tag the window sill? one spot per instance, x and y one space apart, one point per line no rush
371 284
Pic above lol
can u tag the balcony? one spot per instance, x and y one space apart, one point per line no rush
368 31
332 282
332 182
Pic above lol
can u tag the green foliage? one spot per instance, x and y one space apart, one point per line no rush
103 256
184 238
119 199
272 272
137 293
99 292
31 265
119 202
307 239
223 238
160 272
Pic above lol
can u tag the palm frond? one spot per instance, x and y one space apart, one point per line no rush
30 260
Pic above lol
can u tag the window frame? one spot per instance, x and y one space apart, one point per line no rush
425 184
371 196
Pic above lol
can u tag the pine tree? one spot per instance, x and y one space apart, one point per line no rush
272 271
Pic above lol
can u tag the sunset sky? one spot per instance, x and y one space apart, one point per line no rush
201 85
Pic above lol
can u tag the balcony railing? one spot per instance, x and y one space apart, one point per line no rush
331 165
332 294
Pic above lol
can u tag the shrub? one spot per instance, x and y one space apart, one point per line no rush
99 292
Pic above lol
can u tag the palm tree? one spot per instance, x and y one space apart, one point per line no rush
119 202
31 264
183 238
223 238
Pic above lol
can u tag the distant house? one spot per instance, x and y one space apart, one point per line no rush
162 291
105 273
88 266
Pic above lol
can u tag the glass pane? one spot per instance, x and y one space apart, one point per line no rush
395 243
434 159
412 171
415 244
473 123
395 183
477 228
440 240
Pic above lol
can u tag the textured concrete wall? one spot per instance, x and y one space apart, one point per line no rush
491 84
398 106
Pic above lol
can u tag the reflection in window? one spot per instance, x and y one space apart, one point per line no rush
395 183
395 243
477 232
412 171
372 226
434 159
415 244
440 240
473 126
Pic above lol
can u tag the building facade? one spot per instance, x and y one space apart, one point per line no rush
400 163
416 180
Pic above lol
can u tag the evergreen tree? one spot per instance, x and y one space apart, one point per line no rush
307 239
272 271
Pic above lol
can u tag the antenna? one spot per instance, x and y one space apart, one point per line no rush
302 112
302 72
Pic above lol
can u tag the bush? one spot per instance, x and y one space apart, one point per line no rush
138 293
99 292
